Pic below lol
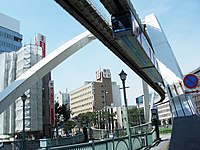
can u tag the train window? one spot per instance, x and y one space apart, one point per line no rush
122 21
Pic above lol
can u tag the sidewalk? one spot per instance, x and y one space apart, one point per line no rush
163 144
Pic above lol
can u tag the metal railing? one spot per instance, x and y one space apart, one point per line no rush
141 137
138 142
103 133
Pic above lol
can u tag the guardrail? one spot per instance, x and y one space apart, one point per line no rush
103 133
142 136
138 142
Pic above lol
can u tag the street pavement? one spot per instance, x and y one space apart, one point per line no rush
163 144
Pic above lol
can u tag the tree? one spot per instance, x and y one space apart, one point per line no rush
133 116
68 125
88 118
57 110
62 117
64 112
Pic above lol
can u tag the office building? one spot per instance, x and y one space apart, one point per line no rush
7 76
27 56
10 38
60 98
40 115
116 95
94 95
47 91
13 64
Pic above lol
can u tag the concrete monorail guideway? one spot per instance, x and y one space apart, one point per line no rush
85 12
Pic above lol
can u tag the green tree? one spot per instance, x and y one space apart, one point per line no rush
88 118
133 116
57 110
64 112
62 117
68 125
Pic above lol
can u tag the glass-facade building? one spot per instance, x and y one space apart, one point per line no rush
10 38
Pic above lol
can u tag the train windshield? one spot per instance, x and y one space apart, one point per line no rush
122 21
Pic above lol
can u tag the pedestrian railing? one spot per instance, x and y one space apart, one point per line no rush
104 134
138 141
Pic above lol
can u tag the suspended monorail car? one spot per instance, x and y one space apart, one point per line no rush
129 35
122 23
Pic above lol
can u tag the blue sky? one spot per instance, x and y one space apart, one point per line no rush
179 19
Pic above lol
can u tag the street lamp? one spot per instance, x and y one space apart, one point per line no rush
23 97
138 101
154 119
106 111
57 119
123 78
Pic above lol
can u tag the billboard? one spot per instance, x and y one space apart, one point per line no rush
40 40
51 98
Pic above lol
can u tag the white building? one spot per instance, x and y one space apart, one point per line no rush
12 65
7 75
117 102
27 56
62 98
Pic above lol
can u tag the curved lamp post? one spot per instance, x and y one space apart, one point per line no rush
123 78
23 97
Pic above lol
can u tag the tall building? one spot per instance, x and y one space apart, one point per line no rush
27 56
7 76
10 38
94 95
10 41
117 102
47 90
13 64
40 101
60 98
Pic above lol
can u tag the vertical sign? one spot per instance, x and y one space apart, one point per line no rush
40 40
51 97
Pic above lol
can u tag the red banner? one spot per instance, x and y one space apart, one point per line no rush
40 40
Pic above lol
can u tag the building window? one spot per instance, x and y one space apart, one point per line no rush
17 39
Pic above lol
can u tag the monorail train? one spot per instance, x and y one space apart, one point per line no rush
130 36
124 23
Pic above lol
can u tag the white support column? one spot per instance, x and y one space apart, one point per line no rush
146 101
